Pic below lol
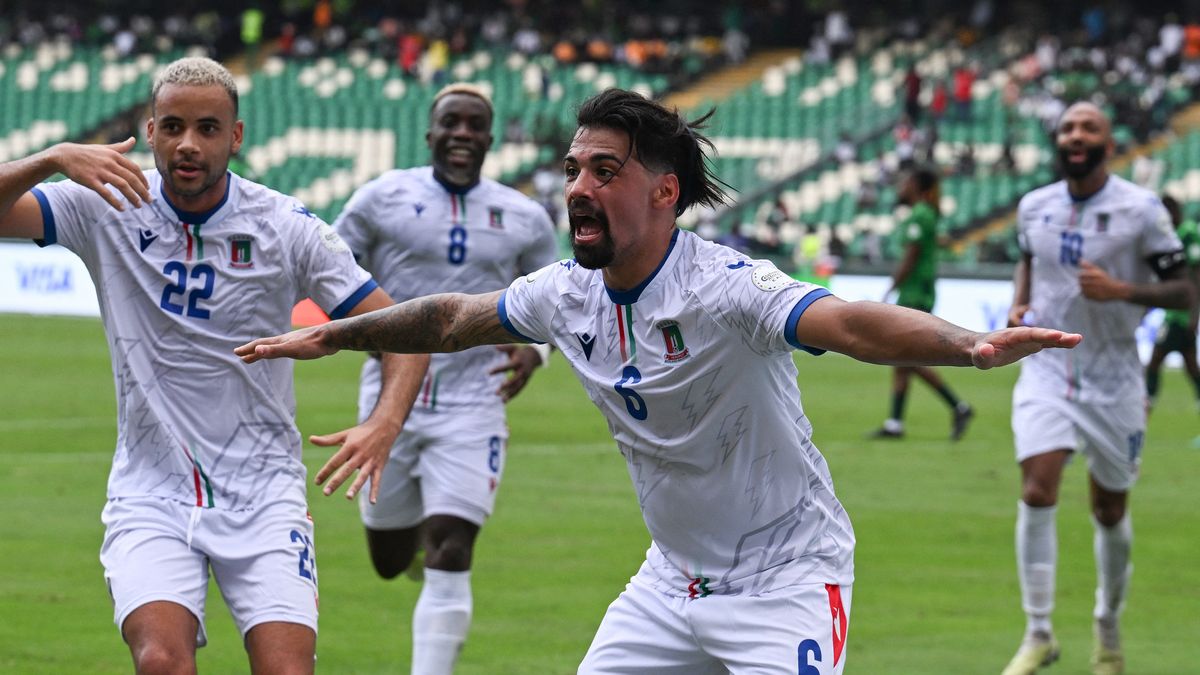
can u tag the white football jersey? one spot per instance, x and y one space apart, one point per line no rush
1119 229
418 237
693 371
178 291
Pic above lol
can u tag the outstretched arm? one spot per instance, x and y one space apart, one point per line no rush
92 166
365 447
448 322
897 336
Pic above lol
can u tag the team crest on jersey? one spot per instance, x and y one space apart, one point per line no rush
676 350
1102 222
495 218
241 251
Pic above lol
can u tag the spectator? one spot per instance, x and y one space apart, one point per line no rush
964 82
912 94
939 101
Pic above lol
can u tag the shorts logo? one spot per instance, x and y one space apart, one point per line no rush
418 208
840 620
241 251
676 350
699 588
495 218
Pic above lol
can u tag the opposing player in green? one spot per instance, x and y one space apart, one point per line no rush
915 278
1178 332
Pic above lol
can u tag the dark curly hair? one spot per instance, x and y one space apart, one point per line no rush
661 140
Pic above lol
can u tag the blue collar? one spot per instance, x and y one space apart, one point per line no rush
193 218
454 189
1084 198
631 296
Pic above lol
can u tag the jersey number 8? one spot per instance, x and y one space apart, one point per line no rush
458 245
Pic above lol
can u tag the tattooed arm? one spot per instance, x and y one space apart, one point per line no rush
898 336
448 322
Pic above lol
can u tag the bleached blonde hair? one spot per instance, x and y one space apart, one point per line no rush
463 88
196 71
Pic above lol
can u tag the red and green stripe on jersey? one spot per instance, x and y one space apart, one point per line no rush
699 588
195 245
458 208
203 486
625 331
429 389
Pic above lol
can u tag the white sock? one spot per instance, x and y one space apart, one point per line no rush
893 426
1037 558
1113 569
440 621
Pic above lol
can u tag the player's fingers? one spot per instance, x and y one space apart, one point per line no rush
329 440
509 349
331 465
376 474
340 476
359 480
124 146
125 188
97 186
508 365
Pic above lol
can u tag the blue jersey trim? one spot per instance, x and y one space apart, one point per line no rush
351 302
631 296
192 218
502 310
49 229
452 188
789 326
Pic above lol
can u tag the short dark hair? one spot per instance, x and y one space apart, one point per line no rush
926 176
1174 208
661 140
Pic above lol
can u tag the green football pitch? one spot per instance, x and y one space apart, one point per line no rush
936 588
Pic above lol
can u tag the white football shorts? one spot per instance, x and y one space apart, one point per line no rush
1109 436
798 629
263 560
443 463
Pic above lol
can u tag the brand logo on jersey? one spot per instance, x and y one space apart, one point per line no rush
769 278
676 350
586 342
418 209
145 238
241 250
495 218
303 211
739 265
568 263
1102 222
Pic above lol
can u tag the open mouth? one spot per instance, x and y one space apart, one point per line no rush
187 171
587 229
460 155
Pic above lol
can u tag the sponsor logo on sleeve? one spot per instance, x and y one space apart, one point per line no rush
331 240
769 278
145 238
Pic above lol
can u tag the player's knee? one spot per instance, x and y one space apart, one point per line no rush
452 555
161 659
1108 515
1038 494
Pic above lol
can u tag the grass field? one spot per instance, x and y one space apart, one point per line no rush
936 588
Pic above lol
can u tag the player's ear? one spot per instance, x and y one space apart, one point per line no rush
238 130
150 131
666 192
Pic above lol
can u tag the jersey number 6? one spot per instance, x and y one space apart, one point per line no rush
634 403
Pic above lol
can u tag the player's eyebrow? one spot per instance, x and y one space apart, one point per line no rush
596 158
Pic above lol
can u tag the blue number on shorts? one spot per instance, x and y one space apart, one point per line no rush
307 571
634 403
179 271
494 454
1071 248
1136 439
458 245
803 652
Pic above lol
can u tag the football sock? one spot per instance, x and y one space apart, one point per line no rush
898 399
1152 383
1037 557
945 393
1196 386
440 621
1112 546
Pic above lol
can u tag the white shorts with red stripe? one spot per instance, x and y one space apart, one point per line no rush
800 629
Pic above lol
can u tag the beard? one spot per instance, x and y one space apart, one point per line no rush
1094 155
595 255
208 179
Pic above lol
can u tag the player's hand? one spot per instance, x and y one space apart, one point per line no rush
1016 315
93 166
1008 345
522 360
1096 284
303 344
364 448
